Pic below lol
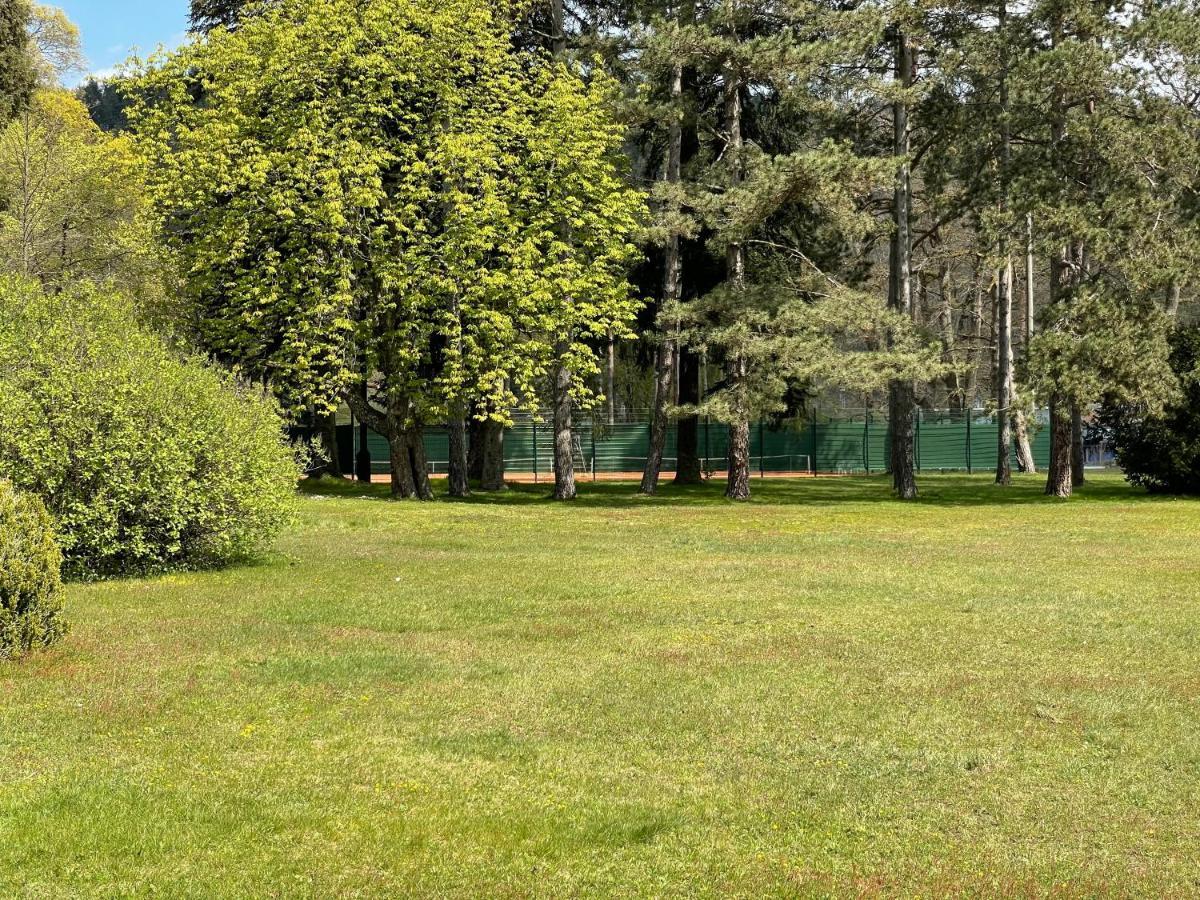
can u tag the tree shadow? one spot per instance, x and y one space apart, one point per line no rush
939 490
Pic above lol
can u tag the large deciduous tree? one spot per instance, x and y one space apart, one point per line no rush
385 202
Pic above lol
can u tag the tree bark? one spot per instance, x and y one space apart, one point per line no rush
327 423
459 478
688 468
1004 376
611 379
666 362
419 462
737 485
491 455
403 485
564 458
1025 461
901 401
1058 480
475 449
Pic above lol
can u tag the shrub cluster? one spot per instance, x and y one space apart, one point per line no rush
1162 452
146 459
30 576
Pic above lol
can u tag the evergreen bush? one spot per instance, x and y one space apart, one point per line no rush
30 576
1162 452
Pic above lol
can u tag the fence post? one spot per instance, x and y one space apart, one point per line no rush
535 457
813 462
593 448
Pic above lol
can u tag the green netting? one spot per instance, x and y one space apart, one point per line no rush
945 440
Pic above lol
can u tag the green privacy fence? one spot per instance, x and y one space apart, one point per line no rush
842 443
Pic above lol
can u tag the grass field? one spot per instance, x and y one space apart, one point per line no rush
820 692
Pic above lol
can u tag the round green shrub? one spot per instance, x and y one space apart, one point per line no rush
147 459
30 576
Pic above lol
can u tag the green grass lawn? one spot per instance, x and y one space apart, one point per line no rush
820 692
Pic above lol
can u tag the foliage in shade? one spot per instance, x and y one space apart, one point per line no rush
146 459
17 73
1160 450
31 615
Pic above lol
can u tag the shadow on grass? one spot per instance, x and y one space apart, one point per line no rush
944 490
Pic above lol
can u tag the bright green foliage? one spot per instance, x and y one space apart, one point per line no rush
147 461
1160 449
72 200
382 187
30 580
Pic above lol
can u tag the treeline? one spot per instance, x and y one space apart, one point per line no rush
440 214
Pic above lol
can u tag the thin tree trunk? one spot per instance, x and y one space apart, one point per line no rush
564 458
1077 454
737 485
1004 376
459 478
1025 461
901 402
491 456
688 468
611 379
1029 287
564 463
666 363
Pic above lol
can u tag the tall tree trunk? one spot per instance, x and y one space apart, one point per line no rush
665 364
327 424
491 456
419 462
688 469
611 379
737 485
459 477
403 485
564 462
1058 480
564 456
1004 376
901 402
1005 389
475 449
1025 460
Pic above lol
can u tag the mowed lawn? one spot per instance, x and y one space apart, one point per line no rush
821 692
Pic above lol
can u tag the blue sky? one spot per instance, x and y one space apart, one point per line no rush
111 28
